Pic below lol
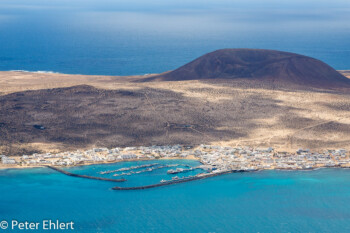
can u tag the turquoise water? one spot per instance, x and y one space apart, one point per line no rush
125 37
269 201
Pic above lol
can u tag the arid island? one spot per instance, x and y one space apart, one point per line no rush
231 98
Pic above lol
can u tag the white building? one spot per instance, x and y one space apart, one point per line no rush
7 160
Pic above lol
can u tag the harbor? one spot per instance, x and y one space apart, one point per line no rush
213 161
128 168
127 171
178 181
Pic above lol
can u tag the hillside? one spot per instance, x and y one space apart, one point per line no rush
267 65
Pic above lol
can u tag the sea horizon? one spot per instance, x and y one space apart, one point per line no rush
89 39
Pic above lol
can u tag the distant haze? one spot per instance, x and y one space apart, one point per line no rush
114 37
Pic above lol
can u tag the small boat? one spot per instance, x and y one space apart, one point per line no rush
251 169
175 178
163 181
178 170
123 169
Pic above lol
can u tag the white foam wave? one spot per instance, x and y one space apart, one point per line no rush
38 71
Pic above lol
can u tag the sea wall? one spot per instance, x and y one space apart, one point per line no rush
84 176
177 181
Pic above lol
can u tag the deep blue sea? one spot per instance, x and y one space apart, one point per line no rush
126 37
268 201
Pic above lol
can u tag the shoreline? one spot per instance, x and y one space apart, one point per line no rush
200 176
5 167
212 157
176 158
80 74
342 71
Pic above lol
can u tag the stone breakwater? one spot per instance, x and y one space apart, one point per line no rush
178 181
84 176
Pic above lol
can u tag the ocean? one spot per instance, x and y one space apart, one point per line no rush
120 37
264 201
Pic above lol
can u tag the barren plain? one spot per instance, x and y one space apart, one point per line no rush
58 112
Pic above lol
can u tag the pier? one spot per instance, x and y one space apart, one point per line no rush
84 176
149 168
178 181
141 171
181 170
129 168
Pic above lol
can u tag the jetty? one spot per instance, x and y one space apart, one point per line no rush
84 176
170 182
149 168
129 168
141 171
182 170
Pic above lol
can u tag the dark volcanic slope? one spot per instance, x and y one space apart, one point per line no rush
276 66
84 116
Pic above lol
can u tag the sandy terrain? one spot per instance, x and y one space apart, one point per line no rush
346 73
11 81
116 111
